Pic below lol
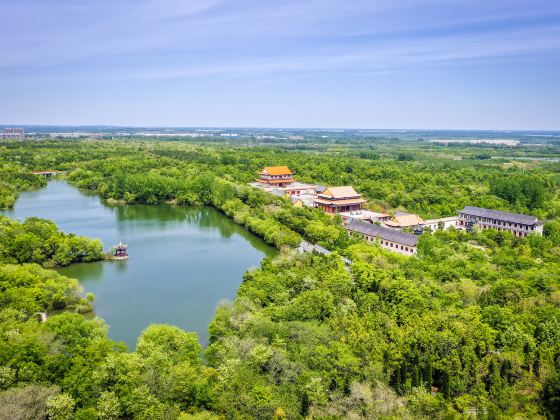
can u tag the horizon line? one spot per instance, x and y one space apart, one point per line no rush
240 127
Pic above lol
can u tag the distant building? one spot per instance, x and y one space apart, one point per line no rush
303 200
46 174
276 176
391 239
401 220
299 188
279 180
339 199
443 223
13 133
365 215
520 225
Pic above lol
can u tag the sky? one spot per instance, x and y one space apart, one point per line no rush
425 64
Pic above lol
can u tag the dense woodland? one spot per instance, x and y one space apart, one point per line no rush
468 327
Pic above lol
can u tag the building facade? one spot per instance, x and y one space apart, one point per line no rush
520 225
443 223
391 239
339 199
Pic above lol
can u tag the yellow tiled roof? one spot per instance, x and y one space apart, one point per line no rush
341 192
277 170
405 220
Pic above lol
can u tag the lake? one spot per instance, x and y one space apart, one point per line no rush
183 261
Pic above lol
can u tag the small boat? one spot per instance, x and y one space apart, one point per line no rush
121 252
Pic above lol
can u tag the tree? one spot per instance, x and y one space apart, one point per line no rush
28 402
550 395
176 344
108 406
60 407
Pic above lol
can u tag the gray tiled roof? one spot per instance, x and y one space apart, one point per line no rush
500 215
382 232
278 193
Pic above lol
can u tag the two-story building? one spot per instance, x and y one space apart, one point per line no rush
391 239
442 223
339 199
520 225
275 176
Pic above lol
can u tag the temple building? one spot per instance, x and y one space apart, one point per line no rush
276 176
520 225
391 239
339 199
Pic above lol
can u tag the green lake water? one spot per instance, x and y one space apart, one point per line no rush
183 261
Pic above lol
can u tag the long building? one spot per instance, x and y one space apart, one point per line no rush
339 199
391 239
520 225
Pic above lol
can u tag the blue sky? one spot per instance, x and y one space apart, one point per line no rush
448 64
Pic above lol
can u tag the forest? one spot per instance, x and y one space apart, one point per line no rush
469 327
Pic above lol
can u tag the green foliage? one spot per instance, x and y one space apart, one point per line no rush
551 396
14 178
60 407
39 241
469 326
30 289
